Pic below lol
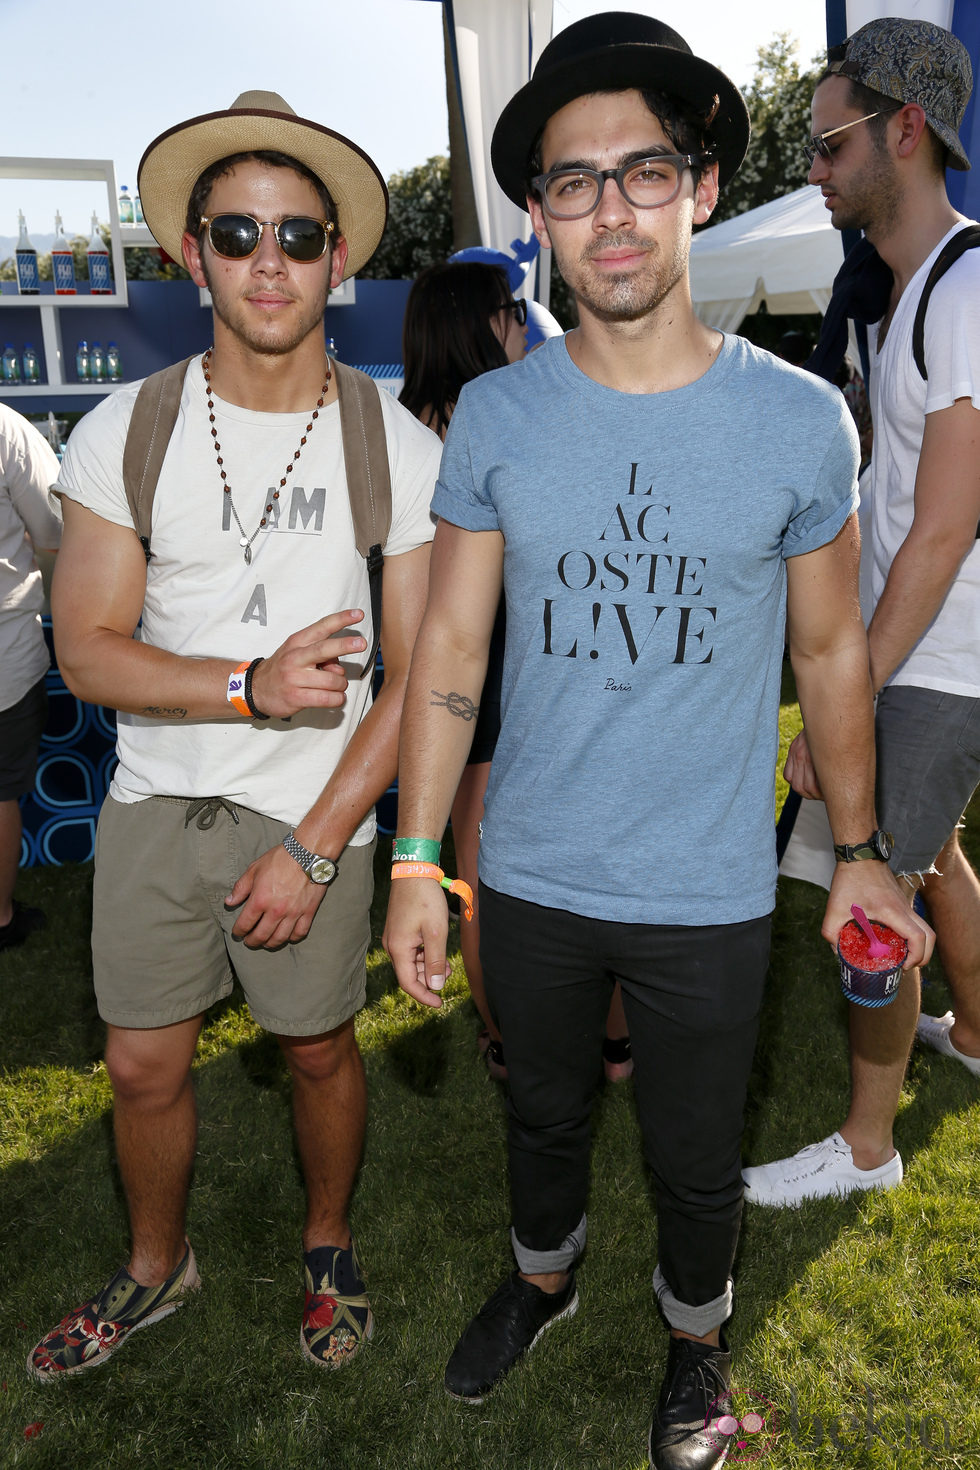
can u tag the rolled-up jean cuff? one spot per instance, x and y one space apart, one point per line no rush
542 1263
698 1321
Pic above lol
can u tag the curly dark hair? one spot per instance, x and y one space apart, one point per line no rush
685 127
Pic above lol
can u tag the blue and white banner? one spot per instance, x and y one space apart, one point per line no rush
494 45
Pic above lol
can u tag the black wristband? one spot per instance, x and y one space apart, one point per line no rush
247 691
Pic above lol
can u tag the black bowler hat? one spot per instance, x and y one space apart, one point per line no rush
617 51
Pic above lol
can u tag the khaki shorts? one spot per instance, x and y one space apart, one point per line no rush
161 935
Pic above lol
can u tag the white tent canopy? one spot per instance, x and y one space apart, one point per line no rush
785 253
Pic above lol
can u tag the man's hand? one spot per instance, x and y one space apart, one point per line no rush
875 888
415 938
278 899
800 771
305 672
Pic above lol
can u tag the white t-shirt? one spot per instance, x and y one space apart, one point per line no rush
28 467
202 600
947 656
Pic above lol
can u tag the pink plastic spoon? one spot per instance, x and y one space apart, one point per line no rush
876 948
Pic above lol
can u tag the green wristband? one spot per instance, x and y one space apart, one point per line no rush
416 850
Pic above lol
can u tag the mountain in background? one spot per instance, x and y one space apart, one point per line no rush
42 244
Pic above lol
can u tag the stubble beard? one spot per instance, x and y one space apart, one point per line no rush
874 202
633 294
259 340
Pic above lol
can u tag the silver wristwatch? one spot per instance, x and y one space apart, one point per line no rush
321 870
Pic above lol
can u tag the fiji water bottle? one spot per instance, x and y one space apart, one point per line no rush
127 215
97 254
82 362
62 262
28 280
137 210
29 365
96 364
11 366
113 363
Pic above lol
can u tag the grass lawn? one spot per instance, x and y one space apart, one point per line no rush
857 1322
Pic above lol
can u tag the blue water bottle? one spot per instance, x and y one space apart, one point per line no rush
28 280
11 366
62 261
30 367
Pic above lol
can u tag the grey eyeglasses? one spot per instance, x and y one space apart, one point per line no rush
646 183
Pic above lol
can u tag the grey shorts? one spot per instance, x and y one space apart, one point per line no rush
161 935
21 728
928 745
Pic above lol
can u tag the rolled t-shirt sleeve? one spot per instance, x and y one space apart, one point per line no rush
30 468
413 461
825 503
952 336
462 494
91 470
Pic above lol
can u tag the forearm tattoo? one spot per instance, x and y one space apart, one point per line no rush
159 712
456 704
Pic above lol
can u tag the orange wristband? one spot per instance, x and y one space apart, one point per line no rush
430 870
236 690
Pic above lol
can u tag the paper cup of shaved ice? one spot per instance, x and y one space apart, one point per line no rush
866 979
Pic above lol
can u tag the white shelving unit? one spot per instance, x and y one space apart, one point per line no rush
101 170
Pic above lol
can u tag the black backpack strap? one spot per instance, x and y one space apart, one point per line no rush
967 239
368 480
154 415
963 240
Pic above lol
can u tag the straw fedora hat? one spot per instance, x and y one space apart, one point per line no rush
174 162
616 51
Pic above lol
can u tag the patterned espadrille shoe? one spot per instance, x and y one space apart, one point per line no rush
89 1336
337 1315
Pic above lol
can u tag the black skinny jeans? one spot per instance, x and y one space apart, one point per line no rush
692 998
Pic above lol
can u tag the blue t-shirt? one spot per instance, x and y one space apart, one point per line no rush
645 538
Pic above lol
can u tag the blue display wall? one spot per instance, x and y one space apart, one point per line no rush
165 322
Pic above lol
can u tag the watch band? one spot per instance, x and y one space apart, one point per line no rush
878 846
310 861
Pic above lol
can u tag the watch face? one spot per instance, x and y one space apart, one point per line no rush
883 843
323 870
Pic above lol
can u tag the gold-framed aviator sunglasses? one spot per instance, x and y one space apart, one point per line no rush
237 236
645 183
818 143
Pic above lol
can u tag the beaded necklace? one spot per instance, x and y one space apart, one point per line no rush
246 541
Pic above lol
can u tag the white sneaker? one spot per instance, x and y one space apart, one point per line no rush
816 1172
934 1031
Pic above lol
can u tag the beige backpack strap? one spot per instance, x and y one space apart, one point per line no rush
154 415
368 480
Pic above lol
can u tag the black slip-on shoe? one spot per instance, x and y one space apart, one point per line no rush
693 1427
23 924
503 1330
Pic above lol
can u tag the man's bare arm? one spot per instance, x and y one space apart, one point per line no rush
445 686
278 899
944 528
829 652
96 601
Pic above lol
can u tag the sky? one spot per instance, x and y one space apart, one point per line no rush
101 81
